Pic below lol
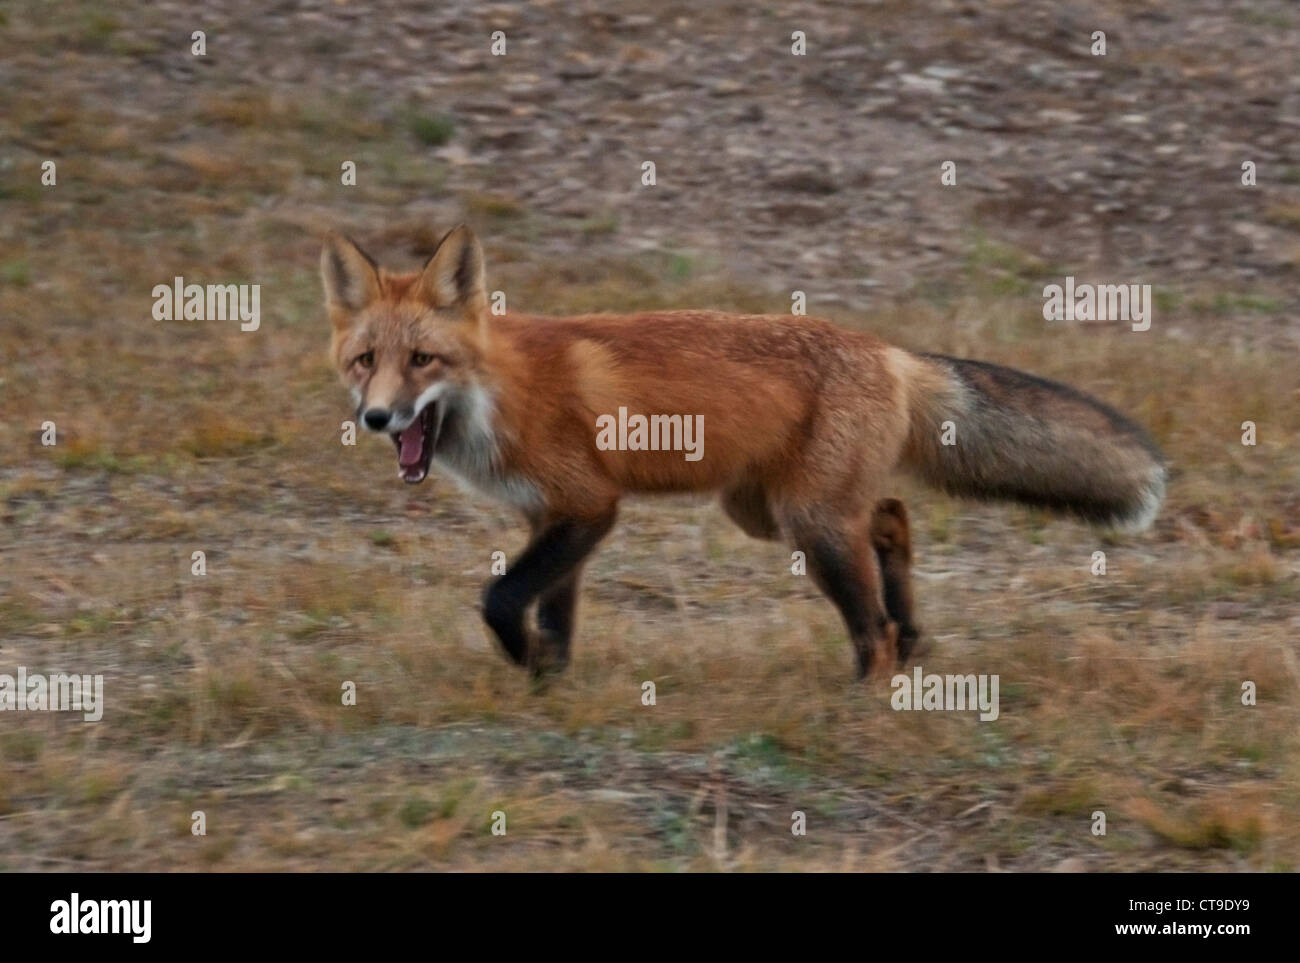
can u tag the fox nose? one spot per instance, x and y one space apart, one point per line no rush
377 418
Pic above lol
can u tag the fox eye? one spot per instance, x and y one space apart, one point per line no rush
366 360
420 358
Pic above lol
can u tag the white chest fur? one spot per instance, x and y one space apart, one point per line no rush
470 452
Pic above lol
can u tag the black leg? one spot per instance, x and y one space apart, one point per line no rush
850 577
555 619
892 541
557 549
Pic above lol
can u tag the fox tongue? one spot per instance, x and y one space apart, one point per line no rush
412 442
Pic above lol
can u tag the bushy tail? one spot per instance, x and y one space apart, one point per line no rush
1029 440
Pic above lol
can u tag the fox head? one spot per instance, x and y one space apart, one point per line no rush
409 346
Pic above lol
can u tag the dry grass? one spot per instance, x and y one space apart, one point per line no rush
1119 693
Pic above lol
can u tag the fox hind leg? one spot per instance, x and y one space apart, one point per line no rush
891 538
844 565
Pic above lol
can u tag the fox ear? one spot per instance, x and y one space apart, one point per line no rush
350 276
453 278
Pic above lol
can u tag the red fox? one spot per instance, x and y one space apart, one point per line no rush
798 424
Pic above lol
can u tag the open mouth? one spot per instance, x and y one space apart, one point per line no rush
416 443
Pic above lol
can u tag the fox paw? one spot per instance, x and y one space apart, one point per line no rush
907 645
548 653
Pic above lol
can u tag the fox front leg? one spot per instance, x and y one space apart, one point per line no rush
546 570
556 612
